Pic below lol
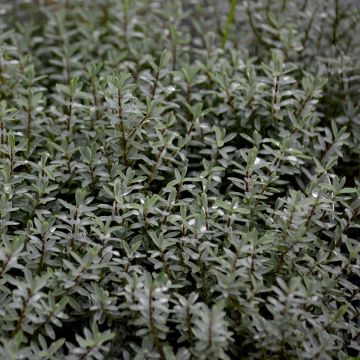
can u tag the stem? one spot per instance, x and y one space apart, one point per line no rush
137 127
95 99
285 236
304 7
210 333
188 324
29 116
73 229
108 160
153 92
85 356
268 10
2 140
253 27
42 252
230 100
229 22
11 160
312 212
28 130
123 140
192 126
67 66
302 105
69 165
158 157
92 175
308 29
275 98
15 11
282 349
8 259
22 314
166 266
174 56
69 114
336 22
153 329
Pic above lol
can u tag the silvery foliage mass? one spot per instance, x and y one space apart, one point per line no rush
179 179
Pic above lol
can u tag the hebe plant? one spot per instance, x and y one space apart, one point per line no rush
179 179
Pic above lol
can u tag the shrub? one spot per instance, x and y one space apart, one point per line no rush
179 179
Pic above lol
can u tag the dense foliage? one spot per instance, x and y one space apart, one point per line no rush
179 179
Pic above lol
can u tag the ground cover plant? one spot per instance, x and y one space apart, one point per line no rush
179 179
